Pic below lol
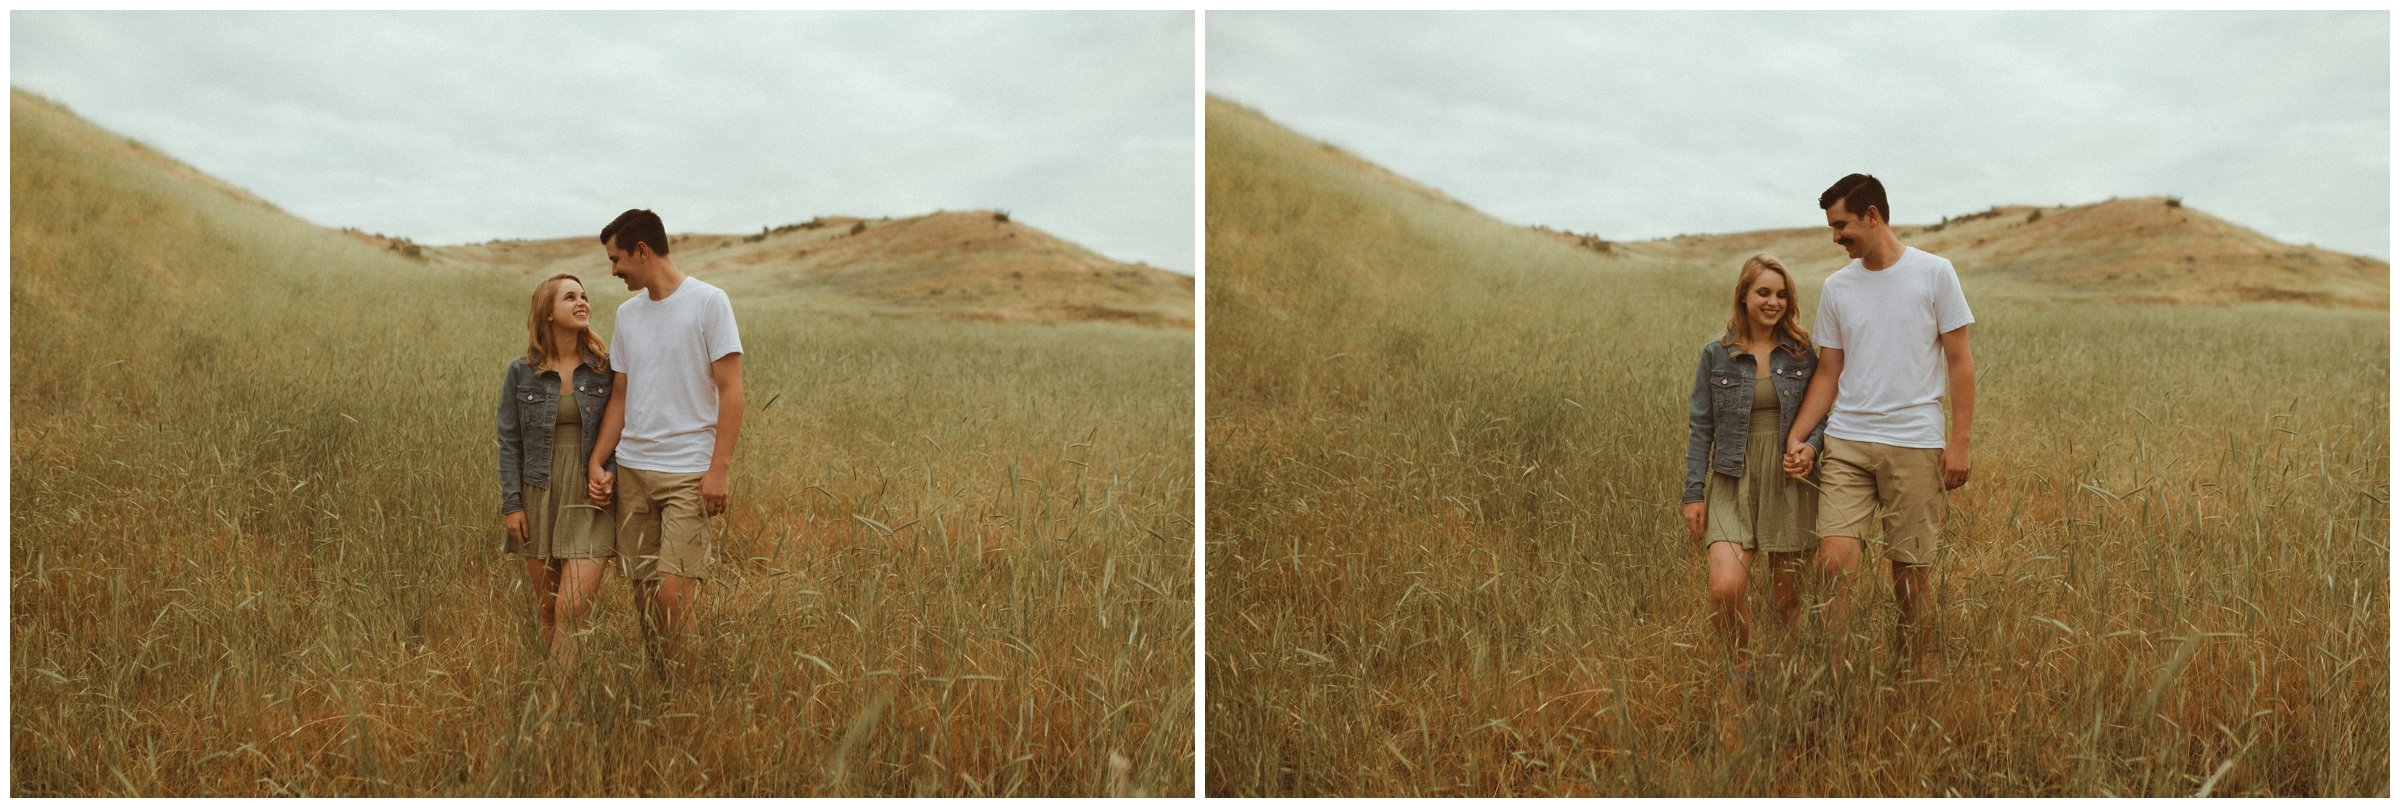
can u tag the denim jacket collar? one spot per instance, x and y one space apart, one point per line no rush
1733 344
590 360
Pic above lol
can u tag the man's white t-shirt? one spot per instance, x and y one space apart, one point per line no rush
1888 324
664 348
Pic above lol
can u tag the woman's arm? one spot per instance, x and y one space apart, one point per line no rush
1816 434
1800 453
603 485
1695 452
1703 422
512 447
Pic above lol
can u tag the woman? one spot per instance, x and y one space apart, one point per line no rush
1736 499
550 405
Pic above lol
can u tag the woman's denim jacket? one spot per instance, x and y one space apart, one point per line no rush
528 416
1721 406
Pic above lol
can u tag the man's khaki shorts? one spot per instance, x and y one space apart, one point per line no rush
662 526
1860 480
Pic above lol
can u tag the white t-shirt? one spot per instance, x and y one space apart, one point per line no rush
664 348
1888 324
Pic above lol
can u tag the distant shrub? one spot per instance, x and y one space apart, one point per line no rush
1589 241
1000 216
2174 201
2035 216
405 247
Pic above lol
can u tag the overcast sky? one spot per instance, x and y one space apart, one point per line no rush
461 127
1643 125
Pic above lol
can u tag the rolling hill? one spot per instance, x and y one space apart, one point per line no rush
2145 249
967 265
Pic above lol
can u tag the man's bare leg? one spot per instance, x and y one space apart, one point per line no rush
645 610
1838 561
674 598
1912 586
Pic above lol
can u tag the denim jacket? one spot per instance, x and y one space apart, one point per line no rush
529 415
1721 393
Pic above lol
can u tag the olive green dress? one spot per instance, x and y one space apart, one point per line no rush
560 520
1763 509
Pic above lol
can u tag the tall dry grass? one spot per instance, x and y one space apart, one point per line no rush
253 515
1444 555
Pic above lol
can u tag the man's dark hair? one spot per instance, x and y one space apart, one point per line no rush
637 226
1857 192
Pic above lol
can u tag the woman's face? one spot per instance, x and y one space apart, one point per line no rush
1767 301
572 308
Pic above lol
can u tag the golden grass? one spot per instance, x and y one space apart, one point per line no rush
1444 458
253 530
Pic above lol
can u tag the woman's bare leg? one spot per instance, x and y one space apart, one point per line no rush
1786 571
1728 601
542 573
579 582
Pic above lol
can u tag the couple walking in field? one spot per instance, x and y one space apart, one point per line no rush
622 455
1855 403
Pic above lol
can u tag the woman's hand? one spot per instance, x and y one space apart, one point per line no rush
603 485
514 523
1695 518
1799 459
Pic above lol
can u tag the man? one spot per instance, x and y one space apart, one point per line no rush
1888 325
671 423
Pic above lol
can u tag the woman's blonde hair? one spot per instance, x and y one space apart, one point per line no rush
538 349
1789 325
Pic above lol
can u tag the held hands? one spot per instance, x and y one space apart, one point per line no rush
1695 518
602 487
514 523
1799 459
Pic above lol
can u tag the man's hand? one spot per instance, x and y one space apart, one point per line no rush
716 487
1799 459
1954 465
602 486
514 523
1695 518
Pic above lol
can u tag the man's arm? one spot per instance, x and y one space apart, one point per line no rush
716 486
1955 450
1798 456
604 445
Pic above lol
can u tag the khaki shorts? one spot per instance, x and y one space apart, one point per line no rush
661 525
1859 480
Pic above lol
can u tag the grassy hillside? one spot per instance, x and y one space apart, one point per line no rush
961 265
253 528
1444 459
2149 250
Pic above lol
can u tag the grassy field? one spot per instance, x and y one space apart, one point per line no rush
1444 555
253 515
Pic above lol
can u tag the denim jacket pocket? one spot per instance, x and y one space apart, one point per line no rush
529 400
590 399
1723 387
1791 382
